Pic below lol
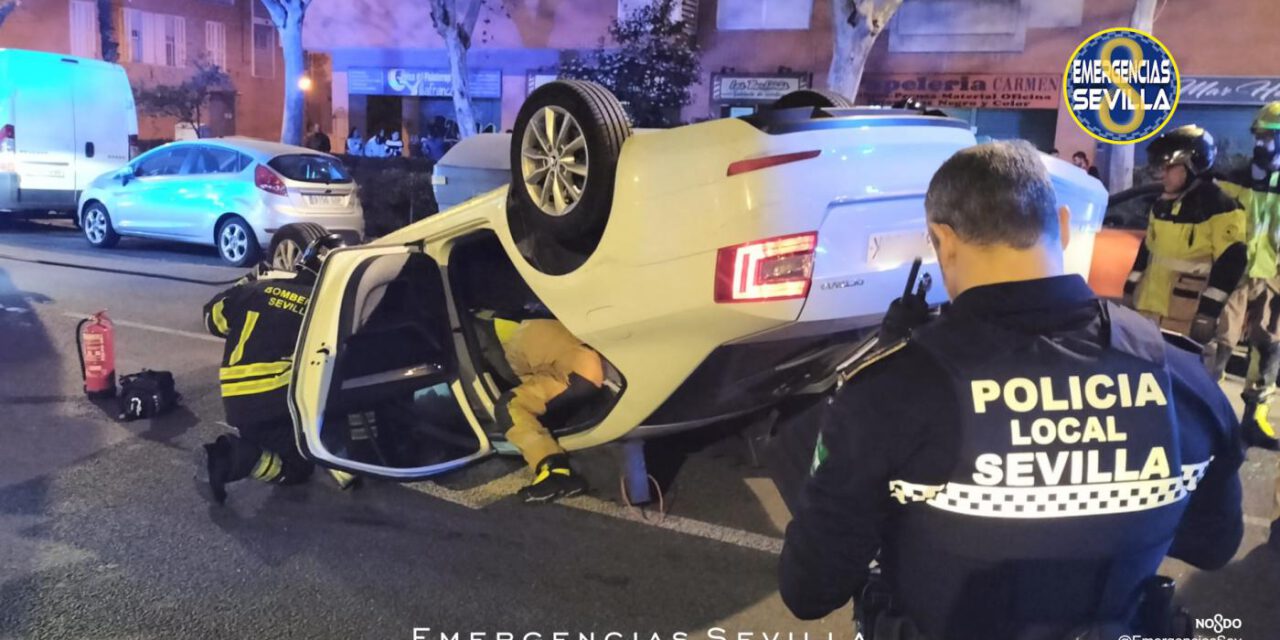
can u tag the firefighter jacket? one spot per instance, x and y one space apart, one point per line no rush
260 320
547 348
1194 250
1260 198
1050 451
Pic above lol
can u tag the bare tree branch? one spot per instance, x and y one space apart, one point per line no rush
279 11
472 14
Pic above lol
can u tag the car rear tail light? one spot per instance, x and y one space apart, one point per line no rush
133 146
756 164
773 269
8 139
268 181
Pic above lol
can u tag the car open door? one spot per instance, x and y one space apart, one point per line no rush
376 387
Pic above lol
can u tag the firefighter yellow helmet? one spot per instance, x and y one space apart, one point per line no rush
1268 119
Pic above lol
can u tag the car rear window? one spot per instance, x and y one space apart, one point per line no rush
310 168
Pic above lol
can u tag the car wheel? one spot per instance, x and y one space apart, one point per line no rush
96 225
564 157
236 243
289 241
814 99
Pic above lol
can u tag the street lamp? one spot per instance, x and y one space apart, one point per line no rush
304 83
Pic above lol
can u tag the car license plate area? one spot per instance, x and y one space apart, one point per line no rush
892 249
323 200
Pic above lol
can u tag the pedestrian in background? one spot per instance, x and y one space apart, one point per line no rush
375 146
1081 159
355 144
395 146
317 140
974 540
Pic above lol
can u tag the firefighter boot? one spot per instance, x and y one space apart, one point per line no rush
1256 427
345 480
213 469
553 479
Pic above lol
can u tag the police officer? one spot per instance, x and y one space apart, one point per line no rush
1194 253
1258 298
260 318
556 373
1049 451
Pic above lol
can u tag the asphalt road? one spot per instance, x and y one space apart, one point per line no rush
102 534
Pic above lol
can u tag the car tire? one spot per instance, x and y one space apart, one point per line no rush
96 224
813 99
563 183
290 240
236 244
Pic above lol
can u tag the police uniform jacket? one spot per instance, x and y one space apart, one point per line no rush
1022 464
260 320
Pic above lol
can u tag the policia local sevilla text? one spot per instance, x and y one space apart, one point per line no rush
1081 394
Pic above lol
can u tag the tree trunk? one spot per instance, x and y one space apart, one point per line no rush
1120 170
857 26
461 84
107 31
294 68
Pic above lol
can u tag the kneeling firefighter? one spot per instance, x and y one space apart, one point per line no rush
260 318
1194 254
557 373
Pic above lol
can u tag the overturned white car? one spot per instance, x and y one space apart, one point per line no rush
718 268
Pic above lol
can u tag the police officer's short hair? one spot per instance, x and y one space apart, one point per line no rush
995 193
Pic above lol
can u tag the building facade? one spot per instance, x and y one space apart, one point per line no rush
160 42
996 63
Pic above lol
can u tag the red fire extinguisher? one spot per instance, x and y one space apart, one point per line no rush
96 344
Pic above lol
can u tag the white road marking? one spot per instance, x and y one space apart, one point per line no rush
477 497
150 327
486 494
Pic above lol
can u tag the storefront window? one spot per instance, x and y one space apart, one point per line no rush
735 15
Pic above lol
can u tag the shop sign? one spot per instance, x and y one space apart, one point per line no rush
1229 90
754 88
429 83
964 90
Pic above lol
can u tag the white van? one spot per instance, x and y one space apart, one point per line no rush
63 122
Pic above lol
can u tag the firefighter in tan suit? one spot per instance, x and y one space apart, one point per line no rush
1194 254
555 369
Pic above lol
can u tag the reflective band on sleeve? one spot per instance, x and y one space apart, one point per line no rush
250 387
250 320
1055 501
1135 276
1215 294
218 317
1193 267
254 370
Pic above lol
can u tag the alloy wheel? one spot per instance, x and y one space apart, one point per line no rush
285 257
233 242
95 225
554 160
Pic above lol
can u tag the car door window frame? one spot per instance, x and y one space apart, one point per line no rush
326 362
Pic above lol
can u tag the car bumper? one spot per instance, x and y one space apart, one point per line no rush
349 225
